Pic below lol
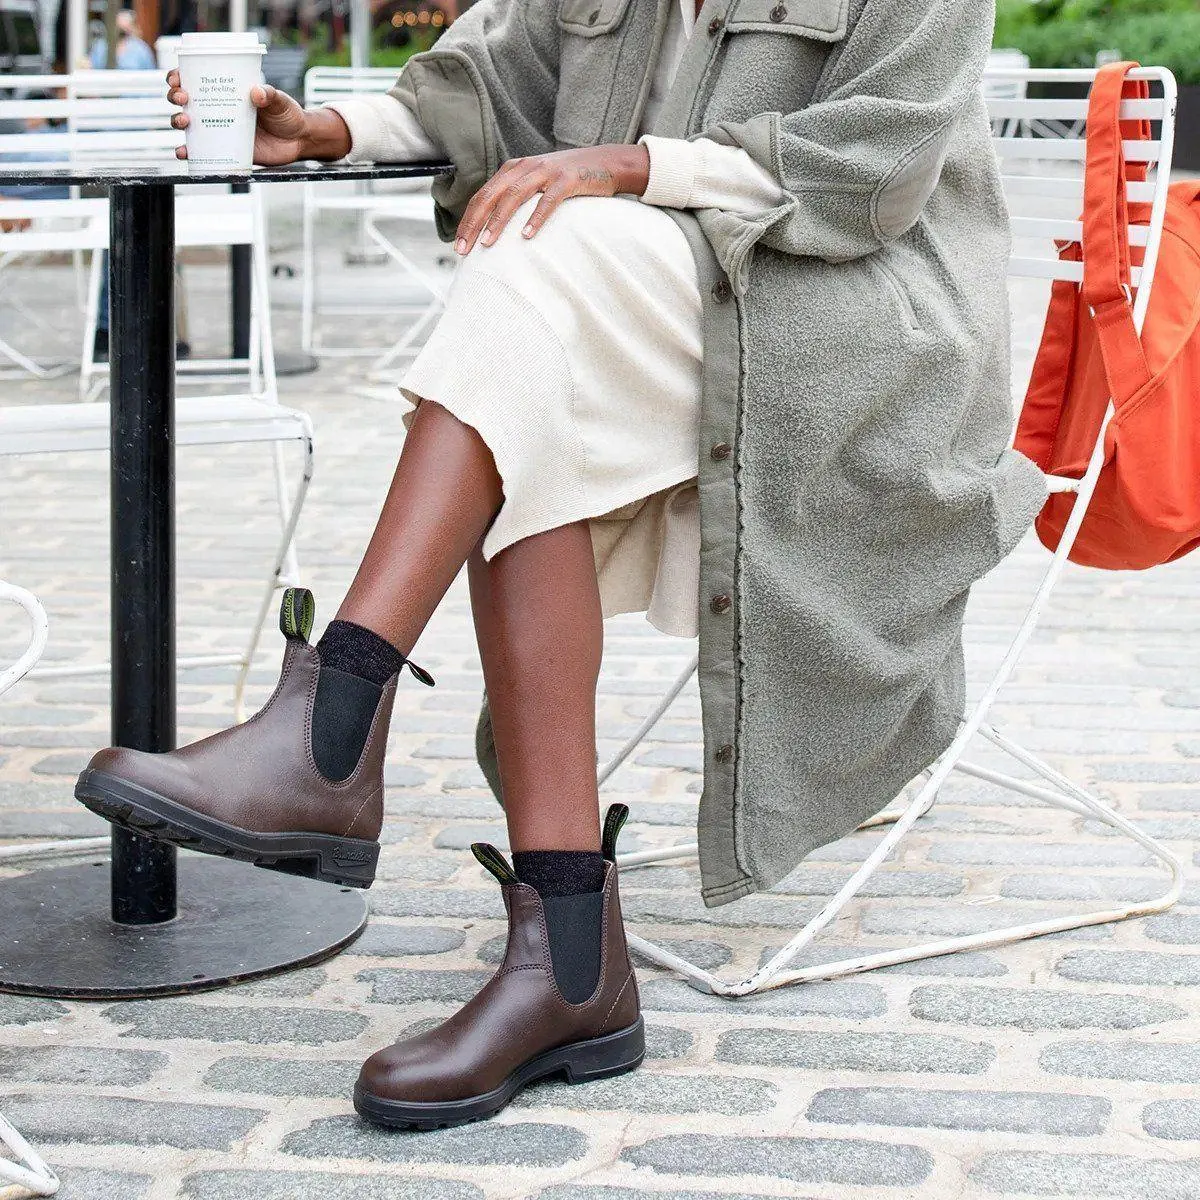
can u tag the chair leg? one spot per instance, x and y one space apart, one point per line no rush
433 286
28 1171
87 360
1062 793
308 265
290 568
273 580
39 633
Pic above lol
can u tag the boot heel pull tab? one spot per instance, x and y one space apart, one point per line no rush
420 674
614 822
297 612
492 860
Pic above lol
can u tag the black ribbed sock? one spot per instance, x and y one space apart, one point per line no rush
355 665
569 883
560 872
359 651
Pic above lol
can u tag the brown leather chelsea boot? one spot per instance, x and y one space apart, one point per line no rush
519 1028
256 792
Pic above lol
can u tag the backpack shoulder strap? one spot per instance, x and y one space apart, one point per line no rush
1106 256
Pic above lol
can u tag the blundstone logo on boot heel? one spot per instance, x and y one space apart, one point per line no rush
349 856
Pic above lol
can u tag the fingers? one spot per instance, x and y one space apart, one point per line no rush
264 96
177 96
552 197
511 199
493 206
180 121
181 152
173 77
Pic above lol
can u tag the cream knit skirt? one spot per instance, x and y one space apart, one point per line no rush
576 355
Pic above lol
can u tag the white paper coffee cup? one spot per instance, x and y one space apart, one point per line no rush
217 70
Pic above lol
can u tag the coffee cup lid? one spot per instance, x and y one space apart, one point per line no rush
210 42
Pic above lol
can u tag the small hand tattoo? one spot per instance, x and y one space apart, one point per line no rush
597 175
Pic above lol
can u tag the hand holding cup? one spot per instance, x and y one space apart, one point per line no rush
280 130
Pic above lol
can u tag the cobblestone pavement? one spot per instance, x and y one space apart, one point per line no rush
1062 1067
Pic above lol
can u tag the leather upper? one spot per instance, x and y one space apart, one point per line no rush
518 1015
260 776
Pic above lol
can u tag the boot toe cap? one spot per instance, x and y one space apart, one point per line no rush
154 772
412 1072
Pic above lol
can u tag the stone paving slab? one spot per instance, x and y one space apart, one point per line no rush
1064 1067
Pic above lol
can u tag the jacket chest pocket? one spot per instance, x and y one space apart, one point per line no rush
819 20
590 45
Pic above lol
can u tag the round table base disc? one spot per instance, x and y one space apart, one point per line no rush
235 922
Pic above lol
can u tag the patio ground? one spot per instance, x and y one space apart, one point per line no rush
1062 1067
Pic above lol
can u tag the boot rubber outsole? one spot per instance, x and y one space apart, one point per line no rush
347 862
580 1062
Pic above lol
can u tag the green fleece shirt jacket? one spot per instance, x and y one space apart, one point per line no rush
856 345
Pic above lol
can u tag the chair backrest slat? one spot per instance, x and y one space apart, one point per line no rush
1067 188
100 114
1067 231
1042 151
323 84
1067 110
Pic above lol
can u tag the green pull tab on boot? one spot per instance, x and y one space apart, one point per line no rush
492 860
297 613
614 822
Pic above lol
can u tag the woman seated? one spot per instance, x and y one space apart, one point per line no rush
728 345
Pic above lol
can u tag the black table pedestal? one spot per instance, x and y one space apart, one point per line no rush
62 932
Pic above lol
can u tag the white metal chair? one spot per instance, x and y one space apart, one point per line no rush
86 114
1013 86
1047 173
200 421
27 1170
223 219
323 85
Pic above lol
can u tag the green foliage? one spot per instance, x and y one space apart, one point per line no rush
381 56
1070 33
384 50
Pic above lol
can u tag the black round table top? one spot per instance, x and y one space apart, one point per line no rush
108 174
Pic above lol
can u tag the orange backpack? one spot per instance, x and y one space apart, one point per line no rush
1146 508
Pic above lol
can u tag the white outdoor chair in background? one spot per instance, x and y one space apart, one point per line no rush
27 1169
1007 87
85 115
1045 175
413 208
253 415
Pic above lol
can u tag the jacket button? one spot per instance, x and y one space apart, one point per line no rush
721 291
724 754
721 604
715 26
721 451
779 13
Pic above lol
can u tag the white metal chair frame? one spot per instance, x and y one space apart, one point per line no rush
1060 791
200 421
27 1170
321 86
224 219
86 104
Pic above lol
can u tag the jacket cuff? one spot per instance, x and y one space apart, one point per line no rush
672 172
368 130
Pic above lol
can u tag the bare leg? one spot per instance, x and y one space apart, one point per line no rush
541 637
537 616
444 495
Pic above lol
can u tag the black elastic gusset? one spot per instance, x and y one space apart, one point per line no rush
574 923
359 651
560 872
343 710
